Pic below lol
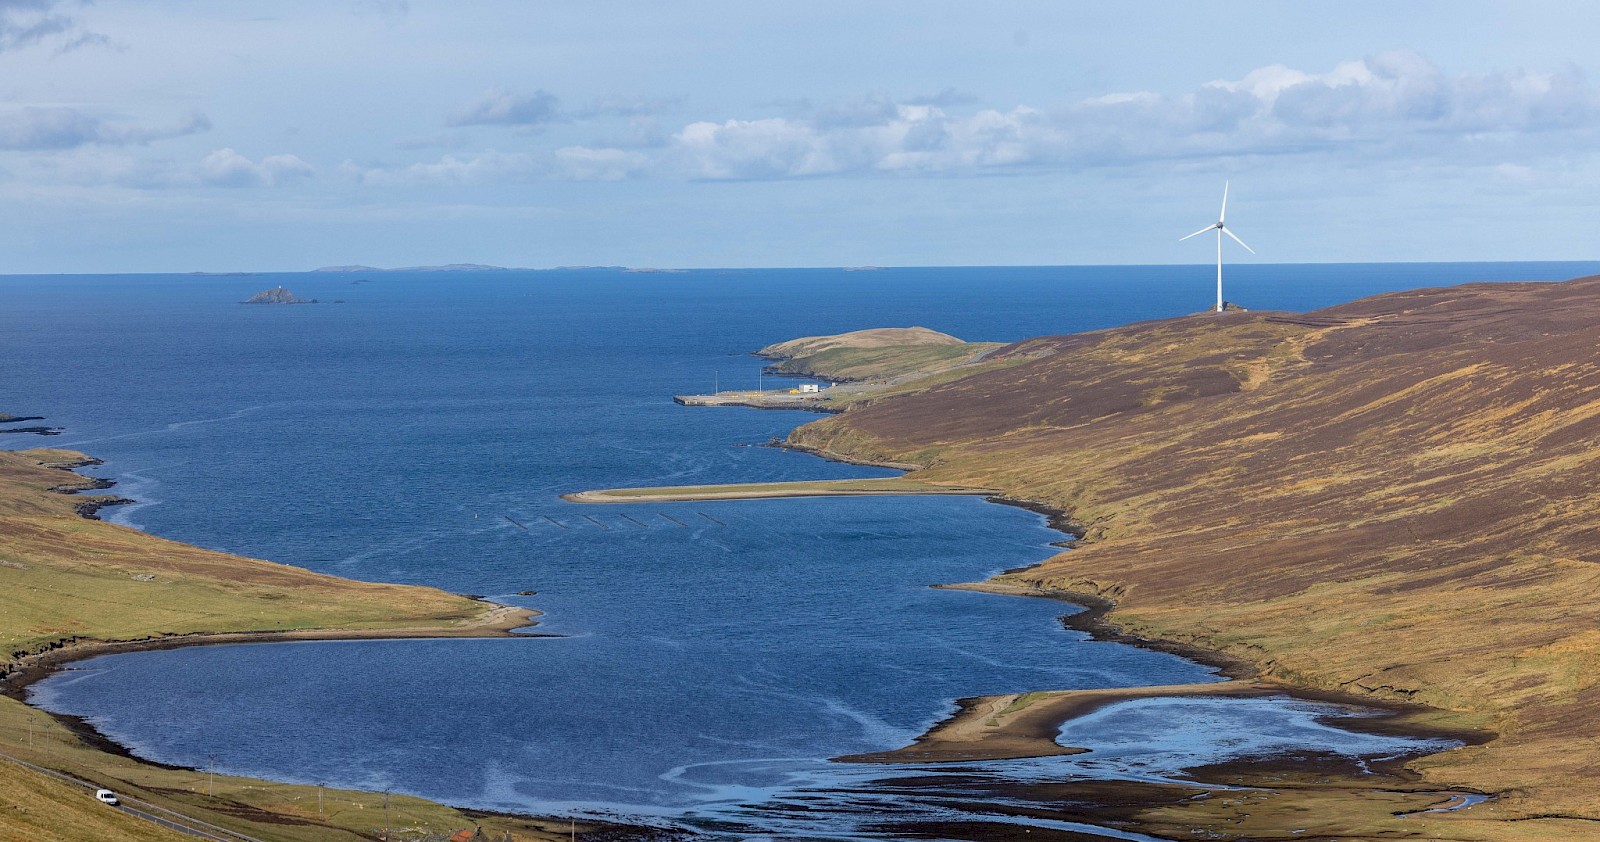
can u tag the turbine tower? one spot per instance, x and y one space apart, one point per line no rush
1220 229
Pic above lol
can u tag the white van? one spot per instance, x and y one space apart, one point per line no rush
106 796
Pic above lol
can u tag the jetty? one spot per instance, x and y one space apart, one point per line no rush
813 401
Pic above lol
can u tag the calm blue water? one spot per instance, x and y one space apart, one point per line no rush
716 654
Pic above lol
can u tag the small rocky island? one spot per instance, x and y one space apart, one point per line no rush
6 418
277 295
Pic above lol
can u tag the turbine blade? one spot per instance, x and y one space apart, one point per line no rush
1239 241
1197 233
1223 217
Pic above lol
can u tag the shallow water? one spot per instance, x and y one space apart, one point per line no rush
715 654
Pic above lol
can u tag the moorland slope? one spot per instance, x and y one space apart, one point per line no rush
1395 498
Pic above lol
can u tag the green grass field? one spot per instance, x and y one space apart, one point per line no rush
890 362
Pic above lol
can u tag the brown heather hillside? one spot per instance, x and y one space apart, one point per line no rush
1398 497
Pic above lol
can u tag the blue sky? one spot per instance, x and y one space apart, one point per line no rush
172 136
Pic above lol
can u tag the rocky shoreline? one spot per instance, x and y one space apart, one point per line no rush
38 431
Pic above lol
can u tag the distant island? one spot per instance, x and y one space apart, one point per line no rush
277 295
483 267
448 267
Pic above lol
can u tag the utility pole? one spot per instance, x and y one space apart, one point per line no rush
716 382
212 780
320 814
386 815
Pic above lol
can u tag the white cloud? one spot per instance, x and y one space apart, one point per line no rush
487 168
910 138
582 163
91 167
1399 95
47 128
626 106
1393 106
99 167
1396 100
569 163
770 148
500 107
25 22
66 128
1516 173
944 99
227 168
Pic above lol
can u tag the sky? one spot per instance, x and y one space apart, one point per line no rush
182 135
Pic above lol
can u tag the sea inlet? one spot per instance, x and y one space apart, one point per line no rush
706 659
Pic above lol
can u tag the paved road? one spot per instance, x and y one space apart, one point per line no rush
145 810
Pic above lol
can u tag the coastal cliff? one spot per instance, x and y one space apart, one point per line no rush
1392 498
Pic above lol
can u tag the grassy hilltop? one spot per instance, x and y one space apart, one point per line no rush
1393 498
878 354
69 584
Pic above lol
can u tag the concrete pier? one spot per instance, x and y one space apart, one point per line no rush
815 402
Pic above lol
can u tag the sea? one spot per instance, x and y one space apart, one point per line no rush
700 663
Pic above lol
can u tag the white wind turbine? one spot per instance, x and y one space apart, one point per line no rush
1220 229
